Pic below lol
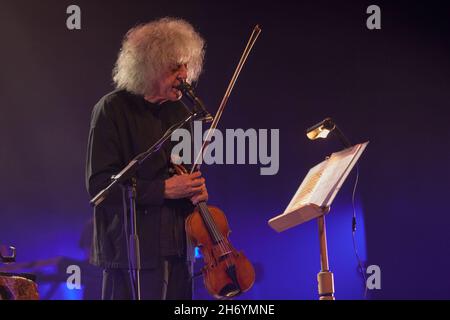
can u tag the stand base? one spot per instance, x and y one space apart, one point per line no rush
325 285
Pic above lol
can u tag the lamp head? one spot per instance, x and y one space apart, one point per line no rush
321 130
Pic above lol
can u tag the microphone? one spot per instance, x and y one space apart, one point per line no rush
186 88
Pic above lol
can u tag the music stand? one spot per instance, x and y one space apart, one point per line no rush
313 201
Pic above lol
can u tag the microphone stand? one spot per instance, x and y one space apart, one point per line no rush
188 91
127 179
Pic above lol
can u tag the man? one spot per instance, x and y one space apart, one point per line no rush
153 59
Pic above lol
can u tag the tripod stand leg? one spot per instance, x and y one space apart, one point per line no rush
325 276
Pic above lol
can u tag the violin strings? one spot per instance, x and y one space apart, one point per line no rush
209 220
212 227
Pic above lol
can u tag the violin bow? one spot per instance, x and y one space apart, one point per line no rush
237 71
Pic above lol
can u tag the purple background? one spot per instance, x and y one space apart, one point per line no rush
312 60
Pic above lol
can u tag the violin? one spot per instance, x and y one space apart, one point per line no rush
227 271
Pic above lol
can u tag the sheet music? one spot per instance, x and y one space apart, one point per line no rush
334 174
307 187
318 189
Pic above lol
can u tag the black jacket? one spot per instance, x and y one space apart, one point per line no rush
122 126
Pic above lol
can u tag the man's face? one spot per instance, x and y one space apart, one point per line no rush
165 86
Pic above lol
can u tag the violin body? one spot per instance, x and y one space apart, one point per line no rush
227 272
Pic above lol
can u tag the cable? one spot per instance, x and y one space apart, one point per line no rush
361 269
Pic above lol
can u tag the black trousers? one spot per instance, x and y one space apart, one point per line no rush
171 280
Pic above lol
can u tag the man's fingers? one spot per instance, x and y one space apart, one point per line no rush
195 175
195 191
203 196
197 182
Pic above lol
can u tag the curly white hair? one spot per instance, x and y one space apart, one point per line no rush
149 50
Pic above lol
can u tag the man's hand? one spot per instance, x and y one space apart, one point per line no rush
186 186
201 196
